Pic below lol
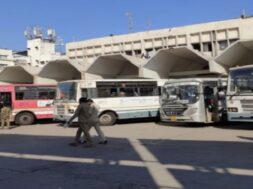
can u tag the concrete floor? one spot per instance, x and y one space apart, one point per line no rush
138 156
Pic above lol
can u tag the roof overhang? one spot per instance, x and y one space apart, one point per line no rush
179 62
114 66
238 54
19 74
62 70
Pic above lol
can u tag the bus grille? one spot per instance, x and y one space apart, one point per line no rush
174 111
247 105
60 109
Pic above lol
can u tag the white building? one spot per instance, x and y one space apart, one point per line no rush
6 58
41 49
209 38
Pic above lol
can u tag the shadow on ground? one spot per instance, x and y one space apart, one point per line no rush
49 162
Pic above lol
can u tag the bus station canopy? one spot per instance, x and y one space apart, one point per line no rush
62 70
114 66
238 54
19 74
179 62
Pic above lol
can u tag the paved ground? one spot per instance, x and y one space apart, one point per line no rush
138 156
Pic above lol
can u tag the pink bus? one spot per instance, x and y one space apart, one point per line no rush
29 102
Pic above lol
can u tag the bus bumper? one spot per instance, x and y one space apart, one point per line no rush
63 118
240 117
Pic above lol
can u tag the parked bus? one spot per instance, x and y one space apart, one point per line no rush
28 102
240 94
117 98
193 100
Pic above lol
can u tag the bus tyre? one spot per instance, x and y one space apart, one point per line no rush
24 118
107 118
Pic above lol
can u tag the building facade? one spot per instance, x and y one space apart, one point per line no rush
41 51
6 58
210 39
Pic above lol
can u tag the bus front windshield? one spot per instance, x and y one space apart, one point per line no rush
67 91
241 80
180 94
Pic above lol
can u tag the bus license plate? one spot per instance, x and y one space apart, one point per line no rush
173 118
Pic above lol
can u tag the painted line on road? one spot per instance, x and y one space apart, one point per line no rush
162 177
148 161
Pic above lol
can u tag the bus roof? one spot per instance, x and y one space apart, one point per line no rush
194 80
241 67
91 83
112 80
21 84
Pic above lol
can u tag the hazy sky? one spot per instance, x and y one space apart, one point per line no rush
76 20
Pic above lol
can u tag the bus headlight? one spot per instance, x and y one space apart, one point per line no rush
232 109
71 111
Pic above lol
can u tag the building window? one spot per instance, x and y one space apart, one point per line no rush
129 53
231 41
196 46
137 52
158 48
207 47
223 45
3 57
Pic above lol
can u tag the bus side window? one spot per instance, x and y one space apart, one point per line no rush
43 95
84 93
129 91
136 92
148 91
19 95
159 91
113 92
51 94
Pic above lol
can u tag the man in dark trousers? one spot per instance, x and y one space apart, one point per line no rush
93 121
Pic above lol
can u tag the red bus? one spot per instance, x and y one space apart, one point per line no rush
29 102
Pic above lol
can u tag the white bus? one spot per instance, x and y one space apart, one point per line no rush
193 100
240 94
117 98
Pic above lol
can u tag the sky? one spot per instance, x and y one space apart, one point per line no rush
76 20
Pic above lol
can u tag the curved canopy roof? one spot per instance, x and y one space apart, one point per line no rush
178 62
238 54
19 74
62 69
114 66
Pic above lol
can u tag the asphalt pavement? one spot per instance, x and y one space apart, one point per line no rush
138 156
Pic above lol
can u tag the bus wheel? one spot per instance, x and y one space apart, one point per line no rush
107 118
24 118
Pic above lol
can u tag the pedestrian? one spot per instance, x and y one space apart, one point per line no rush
5 114
93 122
82 112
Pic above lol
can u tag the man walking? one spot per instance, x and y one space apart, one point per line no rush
93 121
82 112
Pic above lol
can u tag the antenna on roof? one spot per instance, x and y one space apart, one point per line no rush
130 21
51 34
243 15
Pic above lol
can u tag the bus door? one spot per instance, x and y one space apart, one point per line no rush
211 103
5 97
